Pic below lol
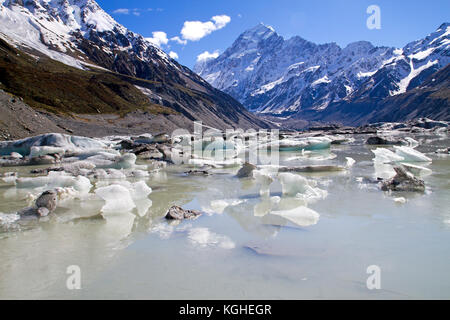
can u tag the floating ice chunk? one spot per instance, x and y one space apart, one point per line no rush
8 219
63 141
319 155
417 170
350 162
117 197
66 193
300 187
15 155
231 163
411 155
55 180
10 178
308 144
383 155
384 171
204 238
109 174
400 200
43 151
264 179
140 174
411 142
301 216
140 190
126 161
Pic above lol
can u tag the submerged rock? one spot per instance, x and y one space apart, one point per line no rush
246 171
403 181
127 144
311 169
373 141
166 152
178 213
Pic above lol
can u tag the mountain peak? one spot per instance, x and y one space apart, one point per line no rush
444 26
260 31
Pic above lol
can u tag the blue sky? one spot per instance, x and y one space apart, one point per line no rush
320 21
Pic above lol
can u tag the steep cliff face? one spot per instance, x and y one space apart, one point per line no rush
295 77
79 34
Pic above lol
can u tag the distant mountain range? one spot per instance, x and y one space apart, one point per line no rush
102 68
354 85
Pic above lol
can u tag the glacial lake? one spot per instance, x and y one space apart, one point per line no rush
237 249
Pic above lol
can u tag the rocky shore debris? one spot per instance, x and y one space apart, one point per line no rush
246 171
443 151
178 213
45 204
403 181
197 173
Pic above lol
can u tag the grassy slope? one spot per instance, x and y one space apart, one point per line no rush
47 84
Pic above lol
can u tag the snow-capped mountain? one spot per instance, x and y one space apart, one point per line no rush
269 74
79 33
58 28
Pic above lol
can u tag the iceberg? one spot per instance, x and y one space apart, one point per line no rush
350 162
411 155
300 187
417 170
383 155
61 141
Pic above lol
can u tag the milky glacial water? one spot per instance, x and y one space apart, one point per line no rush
241 251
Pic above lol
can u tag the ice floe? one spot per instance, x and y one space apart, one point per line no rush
301 216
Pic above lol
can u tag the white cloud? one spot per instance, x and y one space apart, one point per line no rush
221 21
179 40
121 11
205 56
173 55
196 30
159 38
136 11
